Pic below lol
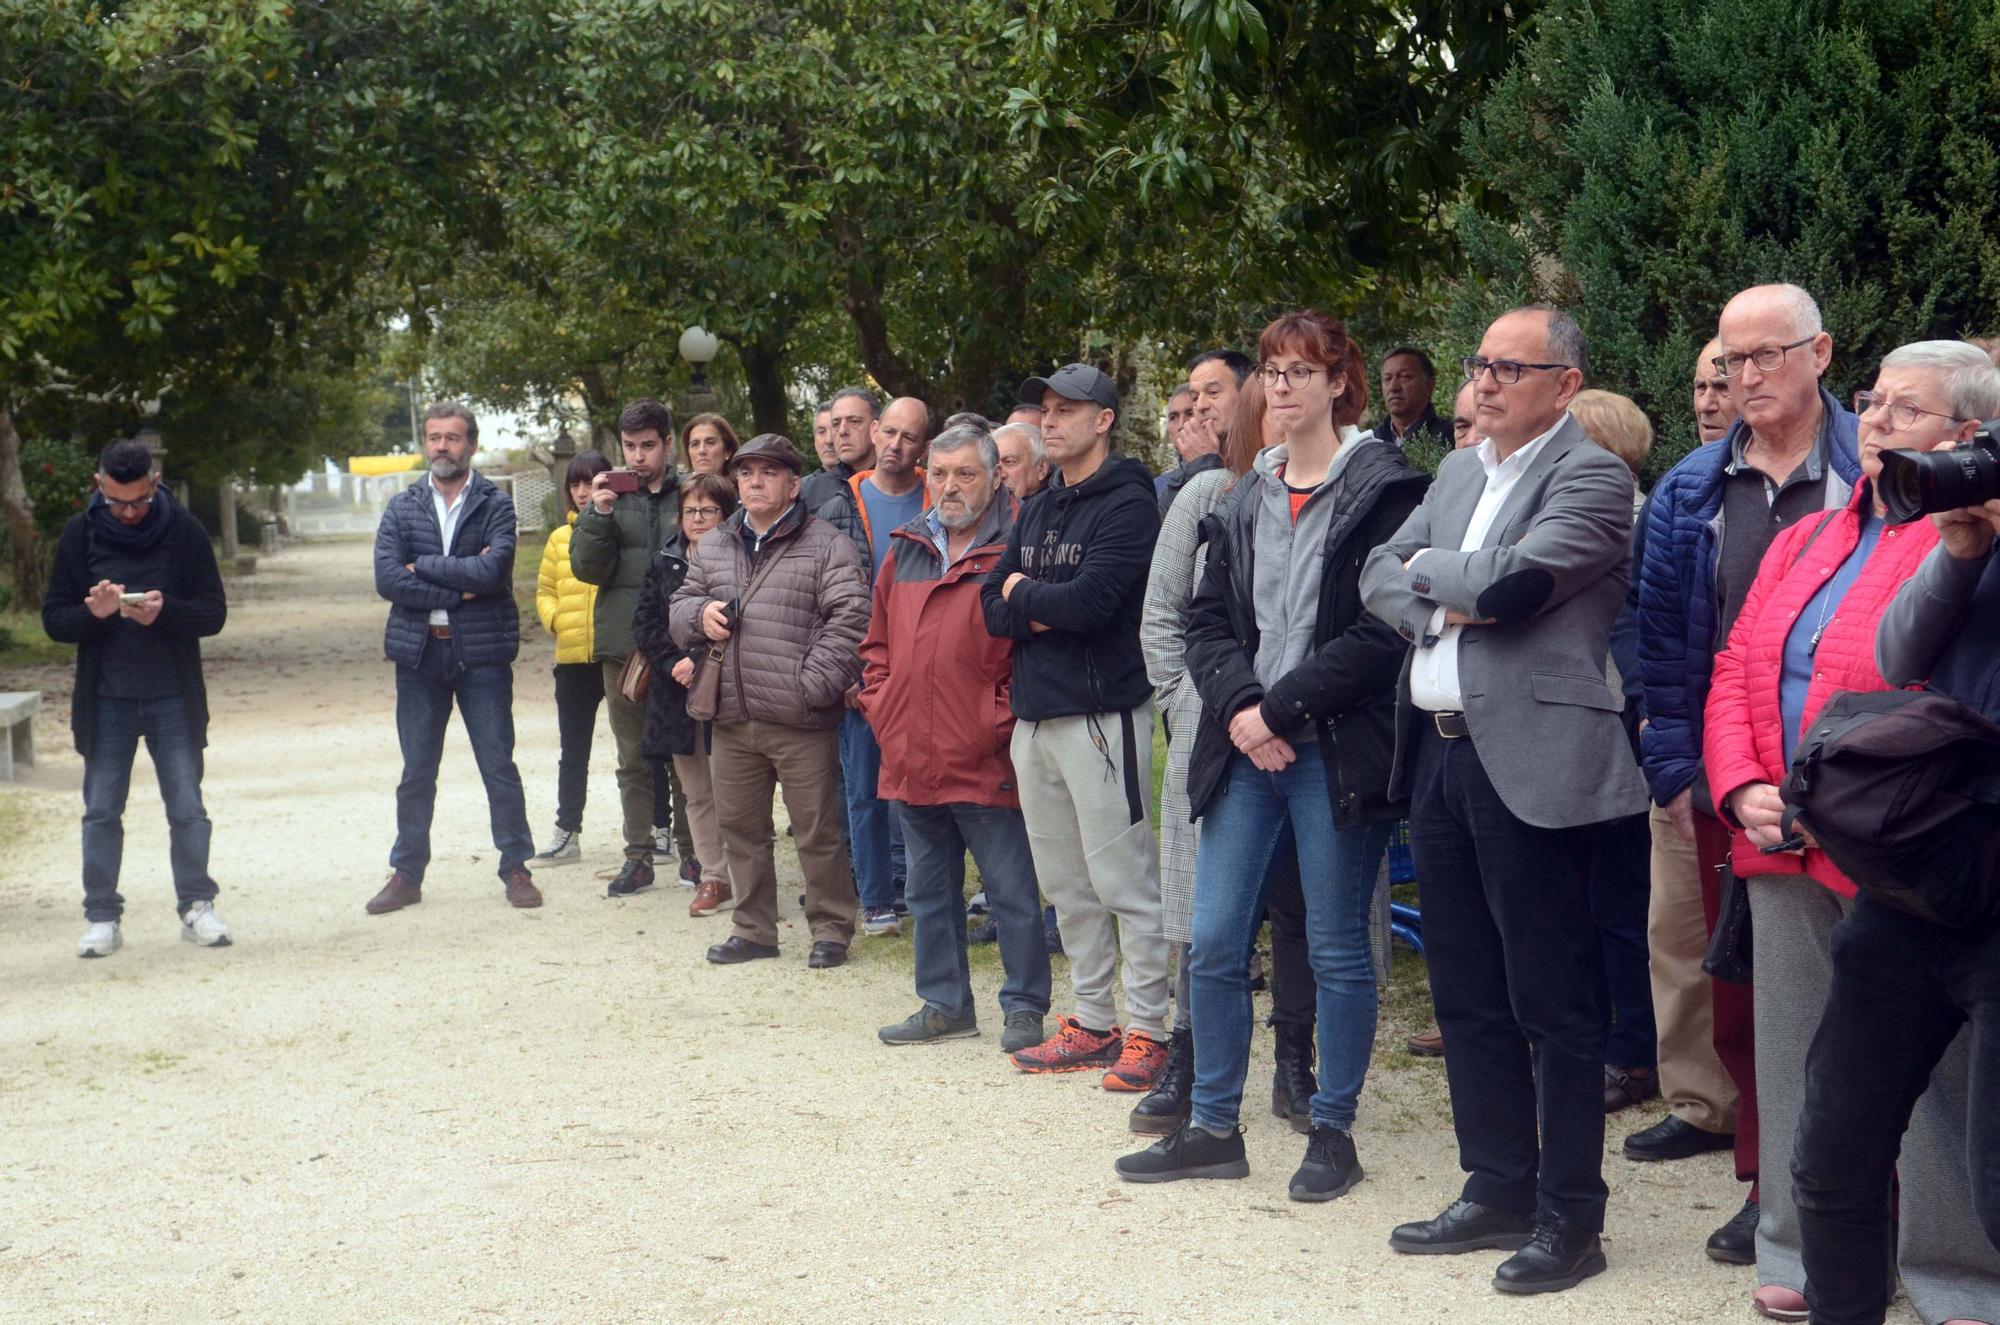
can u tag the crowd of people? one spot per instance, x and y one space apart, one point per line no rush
956 640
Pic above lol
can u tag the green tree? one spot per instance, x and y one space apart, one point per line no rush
1645 159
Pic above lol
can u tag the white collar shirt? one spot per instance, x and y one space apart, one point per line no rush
447 514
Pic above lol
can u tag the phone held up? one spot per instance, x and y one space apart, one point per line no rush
621 480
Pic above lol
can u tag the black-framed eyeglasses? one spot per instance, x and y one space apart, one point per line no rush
1903 415
1769 358
1505 371
701 512
1298 374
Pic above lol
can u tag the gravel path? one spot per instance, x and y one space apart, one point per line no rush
467 1113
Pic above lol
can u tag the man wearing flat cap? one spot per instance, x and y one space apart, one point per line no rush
1068 591
776 600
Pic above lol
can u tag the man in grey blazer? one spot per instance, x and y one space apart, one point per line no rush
1505 581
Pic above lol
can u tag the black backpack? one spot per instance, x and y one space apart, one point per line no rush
1901 788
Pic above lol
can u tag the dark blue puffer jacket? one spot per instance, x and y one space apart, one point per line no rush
486 626
1677 605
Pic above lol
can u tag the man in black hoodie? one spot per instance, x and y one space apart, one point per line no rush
135 588
1068 592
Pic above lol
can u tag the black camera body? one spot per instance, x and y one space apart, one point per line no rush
1919 483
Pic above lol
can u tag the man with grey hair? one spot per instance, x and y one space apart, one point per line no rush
934 688
444 558
1024 465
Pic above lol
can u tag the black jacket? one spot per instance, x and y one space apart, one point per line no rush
669 730
1086 552
192 606
1346 688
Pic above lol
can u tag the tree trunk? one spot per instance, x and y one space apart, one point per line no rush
23 543
225 506
764 375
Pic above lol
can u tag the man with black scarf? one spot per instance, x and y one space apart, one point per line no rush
135 588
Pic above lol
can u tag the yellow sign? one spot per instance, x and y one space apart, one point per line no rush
369 466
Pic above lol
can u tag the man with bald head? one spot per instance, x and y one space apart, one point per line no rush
1790 454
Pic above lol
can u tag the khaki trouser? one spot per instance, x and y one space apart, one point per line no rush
635 775
1692 1081
698 813
747 762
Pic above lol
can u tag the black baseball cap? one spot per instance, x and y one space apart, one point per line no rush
1076 381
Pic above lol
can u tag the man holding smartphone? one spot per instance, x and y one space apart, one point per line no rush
135 588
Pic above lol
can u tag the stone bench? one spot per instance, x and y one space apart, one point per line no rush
17 717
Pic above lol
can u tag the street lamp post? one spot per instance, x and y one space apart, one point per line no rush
698 347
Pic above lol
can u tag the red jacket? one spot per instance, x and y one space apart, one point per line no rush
1744 739
934 683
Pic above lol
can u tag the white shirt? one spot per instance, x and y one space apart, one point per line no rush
447 514
1434 670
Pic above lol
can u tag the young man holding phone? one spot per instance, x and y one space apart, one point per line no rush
135 588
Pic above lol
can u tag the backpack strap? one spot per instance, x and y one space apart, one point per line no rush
1825 520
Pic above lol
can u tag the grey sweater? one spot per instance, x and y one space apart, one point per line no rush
1287 586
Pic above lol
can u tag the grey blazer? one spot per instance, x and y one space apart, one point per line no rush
1551 575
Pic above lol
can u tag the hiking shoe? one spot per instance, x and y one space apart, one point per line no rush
690 876
200 925
712 896
880 922
637 876
1023 1030
100 939
1188 1152
927 1025
1139 1064
521 889
1331 1167
564 848
1073 1048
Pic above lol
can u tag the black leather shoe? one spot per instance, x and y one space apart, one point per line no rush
1560 1254
1464 1226
1292 1082
1167 1106
826 955
1675 1138
736 948
1735 1243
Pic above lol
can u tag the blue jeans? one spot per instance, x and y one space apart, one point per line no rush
485 698
874 839
107 777
1256 817
938 837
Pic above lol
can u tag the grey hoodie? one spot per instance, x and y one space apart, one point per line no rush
1287 587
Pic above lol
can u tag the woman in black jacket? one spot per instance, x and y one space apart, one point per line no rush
1298 686
706 501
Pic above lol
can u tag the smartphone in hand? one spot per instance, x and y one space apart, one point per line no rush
622 480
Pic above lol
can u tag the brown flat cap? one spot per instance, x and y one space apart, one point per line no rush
770 446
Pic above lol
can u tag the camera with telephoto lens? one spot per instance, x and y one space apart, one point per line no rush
1920 483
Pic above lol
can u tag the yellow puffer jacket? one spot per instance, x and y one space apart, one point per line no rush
563 602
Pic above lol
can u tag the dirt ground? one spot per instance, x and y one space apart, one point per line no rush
467 1113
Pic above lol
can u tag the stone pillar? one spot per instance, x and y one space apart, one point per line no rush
225 506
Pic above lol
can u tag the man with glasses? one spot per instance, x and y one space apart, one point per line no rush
135 588
1505 581
1790 453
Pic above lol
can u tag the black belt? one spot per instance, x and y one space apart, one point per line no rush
1451 726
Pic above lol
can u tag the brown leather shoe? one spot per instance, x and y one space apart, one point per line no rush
1428 1044
521 889
710 897
397 893
1627 1086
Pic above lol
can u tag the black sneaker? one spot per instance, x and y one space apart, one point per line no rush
1331 1167
637 876
1023 1030
690 874
927 1025
1189 1152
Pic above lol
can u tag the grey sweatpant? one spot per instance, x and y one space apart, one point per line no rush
1084 786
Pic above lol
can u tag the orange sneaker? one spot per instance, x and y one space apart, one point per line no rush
1073 1048
1138 1068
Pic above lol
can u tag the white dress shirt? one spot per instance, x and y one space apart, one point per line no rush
447 514
1434 670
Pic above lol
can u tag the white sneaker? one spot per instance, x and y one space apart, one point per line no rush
663 843
201 925
100 939
565 848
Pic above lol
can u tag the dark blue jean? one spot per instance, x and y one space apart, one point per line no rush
485 698
874 839
1256 817
107 777
938 836
1621 888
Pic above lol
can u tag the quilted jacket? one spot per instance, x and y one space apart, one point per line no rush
797 644
487 626
1744 731
563 602
1678 611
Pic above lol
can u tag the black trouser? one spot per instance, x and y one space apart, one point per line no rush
1294 994
1621 888
579 692
1514 964
1902 989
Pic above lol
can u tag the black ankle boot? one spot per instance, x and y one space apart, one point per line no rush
1292 1082
1171 1098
